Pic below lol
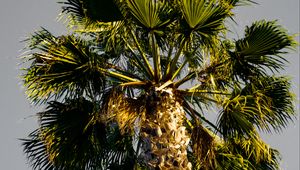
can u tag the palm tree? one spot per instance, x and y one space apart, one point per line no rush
133 84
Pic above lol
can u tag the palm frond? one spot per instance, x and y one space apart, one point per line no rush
69 136
36 151
274 164
197 13
273 101
204 18
214 74
192 59
68 65
123 51
245 153
61 65
259 154
229 161
203 146
147 12
92 10
234 118
230 4
266 103
125 111
261 48
119 152
198 116
264 38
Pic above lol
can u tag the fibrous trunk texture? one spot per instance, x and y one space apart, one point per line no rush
165 139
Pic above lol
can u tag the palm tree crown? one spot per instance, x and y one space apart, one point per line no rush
133 83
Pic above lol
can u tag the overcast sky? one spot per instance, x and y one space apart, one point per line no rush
19 18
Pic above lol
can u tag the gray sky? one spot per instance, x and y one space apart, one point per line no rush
19 18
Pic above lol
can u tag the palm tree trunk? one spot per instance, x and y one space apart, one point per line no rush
165 139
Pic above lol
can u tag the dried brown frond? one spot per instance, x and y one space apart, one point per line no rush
203 144
125 111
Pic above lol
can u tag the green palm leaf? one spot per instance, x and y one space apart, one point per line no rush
204 17
36 151
264 38
69 137
266 103
61 65
234 118
247 154
72 137
261 48
273 102
69 66
147 12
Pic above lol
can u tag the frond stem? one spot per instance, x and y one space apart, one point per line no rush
185 79
172 64
195 113
193 74
118 76
179 69
156 57
134 84
207 91
138 62
187 93
146 61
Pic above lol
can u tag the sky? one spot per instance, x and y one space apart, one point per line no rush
19 18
